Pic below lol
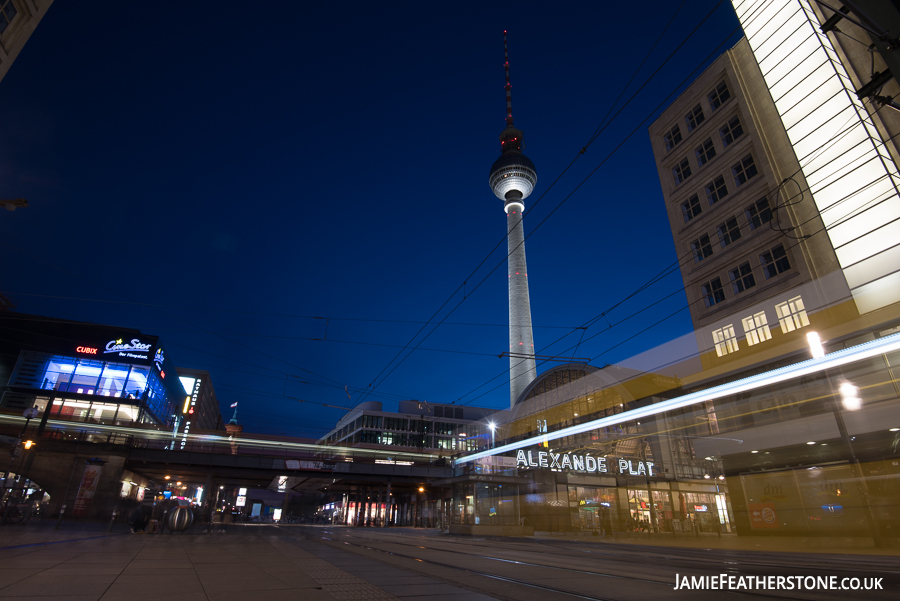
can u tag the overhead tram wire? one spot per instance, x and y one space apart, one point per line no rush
71 273
836 137
375 382
386 396
263 313
842 132
565 199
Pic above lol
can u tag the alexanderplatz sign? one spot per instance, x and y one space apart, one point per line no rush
581 463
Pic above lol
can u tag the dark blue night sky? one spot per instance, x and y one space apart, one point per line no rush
219 174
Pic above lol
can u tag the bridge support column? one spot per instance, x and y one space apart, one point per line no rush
388 506
364 504
377 521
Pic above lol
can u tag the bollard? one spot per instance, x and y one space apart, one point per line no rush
113 519
62 510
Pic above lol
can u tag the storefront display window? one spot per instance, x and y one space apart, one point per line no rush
646 515
597 507
485 504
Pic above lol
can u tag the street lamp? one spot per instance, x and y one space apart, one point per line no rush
493 427
850 401
815 345
850 396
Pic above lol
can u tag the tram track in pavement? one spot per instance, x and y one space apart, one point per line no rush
379 545
623 552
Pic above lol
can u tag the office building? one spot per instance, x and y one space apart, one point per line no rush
18 20
416 425
782 204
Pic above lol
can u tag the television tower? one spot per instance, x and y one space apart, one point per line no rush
512 179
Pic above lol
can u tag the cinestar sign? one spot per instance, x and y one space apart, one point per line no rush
581 463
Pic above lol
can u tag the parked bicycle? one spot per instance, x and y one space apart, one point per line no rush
18 513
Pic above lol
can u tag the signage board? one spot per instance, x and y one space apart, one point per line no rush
241 501
86 489
762 516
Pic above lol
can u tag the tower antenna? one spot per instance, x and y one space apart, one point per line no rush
508 87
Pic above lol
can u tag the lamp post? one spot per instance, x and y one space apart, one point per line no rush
29 414
493 427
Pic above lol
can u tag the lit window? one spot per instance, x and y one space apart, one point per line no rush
731 131
758 213
742 278
729 232
701 248
756 327
725 340
694 118
718 96
7 12
716 190
774 261
744 170
682 171
712 292
672 137
690 208
705 152
791 315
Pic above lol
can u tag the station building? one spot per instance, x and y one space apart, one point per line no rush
87 372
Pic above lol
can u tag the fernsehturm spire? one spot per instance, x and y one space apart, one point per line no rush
512 179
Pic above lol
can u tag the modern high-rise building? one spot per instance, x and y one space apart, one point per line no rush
512 179
18 19
782 192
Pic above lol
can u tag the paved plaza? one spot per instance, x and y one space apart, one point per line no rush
240 565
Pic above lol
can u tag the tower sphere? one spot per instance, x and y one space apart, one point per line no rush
512 171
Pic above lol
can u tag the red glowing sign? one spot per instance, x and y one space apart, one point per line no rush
87 350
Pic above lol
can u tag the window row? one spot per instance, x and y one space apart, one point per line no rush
695 117
729 230
772 262
742 172
7 12
729 132
791 316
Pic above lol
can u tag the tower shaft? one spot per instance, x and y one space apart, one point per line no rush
522 370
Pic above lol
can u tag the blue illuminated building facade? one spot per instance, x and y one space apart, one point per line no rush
87 372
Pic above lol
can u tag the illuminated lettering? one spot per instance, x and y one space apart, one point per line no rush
521 460
87 350
554 461
581 463
116 346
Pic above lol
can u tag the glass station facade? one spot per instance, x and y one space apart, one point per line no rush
798 452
